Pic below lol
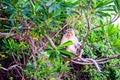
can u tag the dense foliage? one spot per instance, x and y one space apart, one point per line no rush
31 30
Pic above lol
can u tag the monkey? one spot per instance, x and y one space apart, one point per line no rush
70 36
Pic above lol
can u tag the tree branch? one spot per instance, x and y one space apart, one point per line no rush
99 61
50 40
6 19
67 23
6 34
11 67
88 32
113 20
104 60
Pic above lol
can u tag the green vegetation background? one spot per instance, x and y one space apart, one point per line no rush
26 26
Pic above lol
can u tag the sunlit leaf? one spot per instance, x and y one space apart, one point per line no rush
68 43
64 52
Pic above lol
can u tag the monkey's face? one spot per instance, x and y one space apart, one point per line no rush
69 33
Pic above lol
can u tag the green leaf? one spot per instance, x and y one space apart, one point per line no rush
50 46
32 4
66 53
117 4
58 54
104 3
112 30
50 51
52 57
117 43
103 13
12 22
68 43
72 4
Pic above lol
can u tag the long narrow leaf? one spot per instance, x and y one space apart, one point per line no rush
67 53
68 43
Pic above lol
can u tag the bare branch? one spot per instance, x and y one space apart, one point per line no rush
6 34
11 67
104 60
88 32
113 20
5 69
67 23
6 19
50 40
88 61
85 61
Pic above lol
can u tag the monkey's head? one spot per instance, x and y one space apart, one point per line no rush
70 33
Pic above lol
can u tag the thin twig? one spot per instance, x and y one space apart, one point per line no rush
6 19
113 20
14 58
82 63
88 32
6 34
50 40
67 23
11 67
106 59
